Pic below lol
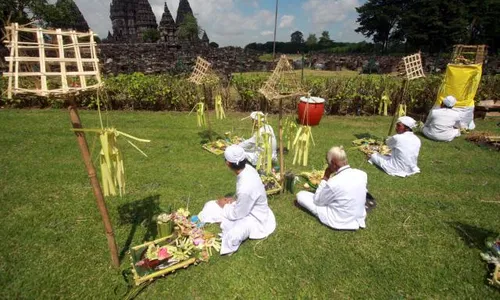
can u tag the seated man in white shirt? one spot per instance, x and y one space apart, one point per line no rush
443 123
339 201
248 214
253 150
405 147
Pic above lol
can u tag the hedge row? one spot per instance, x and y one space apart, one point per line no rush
359 95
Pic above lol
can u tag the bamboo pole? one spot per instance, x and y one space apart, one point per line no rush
400 100
96 187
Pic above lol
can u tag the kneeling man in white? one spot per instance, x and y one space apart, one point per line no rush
339 201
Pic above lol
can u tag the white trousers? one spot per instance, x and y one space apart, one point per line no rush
233 232
306 200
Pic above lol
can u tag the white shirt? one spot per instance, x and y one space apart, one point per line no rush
251 204
251 148
344 197
403 160
442 124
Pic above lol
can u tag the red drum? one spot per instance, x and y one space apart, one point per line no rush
311 110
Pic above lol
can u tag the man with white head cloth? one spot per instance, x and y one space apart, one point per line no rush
339 201
405 147
253 150
247 215
443 123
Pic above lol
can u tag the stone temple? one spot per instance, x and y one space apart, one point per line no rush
132 18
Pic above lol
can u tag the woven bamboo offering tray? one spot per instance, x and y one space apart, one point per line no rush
370 146
271 184
216 147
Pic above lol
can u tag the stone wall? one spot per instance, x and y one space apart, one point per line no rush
164 58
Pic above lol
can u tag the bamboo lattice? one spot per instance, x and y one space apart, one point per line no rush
413 66
469 54
282 83
50 62
200 71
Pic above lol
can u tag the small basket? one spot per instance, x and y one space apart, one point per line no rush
142 274
276 186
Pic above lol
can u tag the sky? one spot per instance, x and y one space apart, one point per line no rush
240 22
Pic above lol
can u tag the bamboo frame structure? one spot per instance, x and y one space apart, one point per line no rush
475 54
200 71
413 69
413 66
52 61
59 62
271 91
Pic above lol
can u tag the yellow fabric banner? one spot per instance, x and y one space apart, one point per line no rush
460 81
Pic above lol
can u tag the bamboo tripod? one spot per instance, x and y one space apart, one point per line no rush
68 61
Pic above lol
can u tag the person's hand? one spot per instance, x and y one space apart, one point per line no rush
223 201
327 174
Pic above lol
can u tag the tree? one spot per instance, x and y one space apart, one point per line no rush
425 27
297 37
324 40
378 19
151 36
189 29
312 40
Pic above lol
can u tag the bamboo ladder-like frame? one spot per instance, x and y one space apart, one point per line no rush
270 90
413 69
54 58
476 52
200 72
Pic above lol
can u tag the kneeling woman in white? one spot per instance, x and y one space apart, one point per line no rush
247 215
339 202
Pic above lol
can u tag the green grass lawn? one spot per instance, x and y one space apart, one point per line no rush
422 241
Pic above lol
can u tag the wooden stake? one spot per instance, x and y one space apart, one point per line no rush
96 187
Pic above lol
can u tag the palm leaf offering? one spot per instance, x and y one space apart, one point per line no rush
370 145
219 108
200 114
111 160
301 145
289 131
190 243
216 147
312 178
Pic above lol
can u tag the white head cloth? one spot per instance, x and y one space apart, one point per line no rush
449 101
407 121
254 115
234 154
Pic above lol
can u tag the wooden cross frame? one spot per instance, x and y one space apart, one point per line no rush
62 64
57 62
200 71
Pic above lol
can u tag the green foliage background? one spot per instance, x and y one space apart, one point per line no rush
354 95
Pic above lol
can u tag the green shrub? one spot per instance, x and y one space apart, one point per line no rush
358 95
